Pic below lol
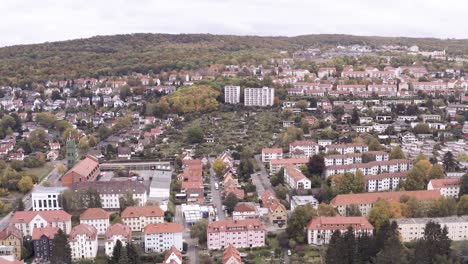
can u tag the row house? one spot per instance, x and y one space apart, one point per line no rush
371 168
351 88
26 221
163 236
347 148
449 187
412 229
320 229
385 181
295 179
303 148
269 154
365 201
239 233
277 164
110 192
137 217
429 86
83 242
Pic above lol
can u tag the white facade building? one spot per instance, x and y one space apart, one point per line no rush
320 229
25 221
117 232
259 96
269 154
448 187
295 179
413 228
161 237
303 148
137 217
46 198
303 200
83 242
96 217
232 94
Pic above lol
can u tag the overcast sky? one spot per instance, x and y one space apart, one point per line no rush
35 21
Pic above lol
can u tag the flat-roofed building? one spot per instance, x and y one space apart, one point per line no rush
232 94
259 96
413 228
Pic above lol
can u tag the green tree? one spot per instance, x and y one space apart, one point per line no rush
462 205
195 134
436 172
326 210
133 253
198 230
83 145
435 242
442 207
463 185
316 165
123 259
219 167
374 144
397 153
126 201
349 183
19 204
299 218
46 119
230 202
415 180
334 253
61 252
94 200
449 162
25 184
392 251
116 252
422 128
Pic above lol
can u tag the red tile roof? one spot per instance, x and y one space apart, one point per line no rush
401 174
118 230
445 183
86 166
49 216
289 161
147 211
11 230
339 223
235 225
371 198
303 143
83 229
231 253
244 207
163 228
294 173
171 251
272 150
48 231
94 213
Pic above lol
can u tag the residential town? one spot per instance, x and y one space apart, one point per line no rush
269 163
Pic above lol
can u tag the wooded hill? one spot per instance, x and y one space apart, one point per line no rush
123 54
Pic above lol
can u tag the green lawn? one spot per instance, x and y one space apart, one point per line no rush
40 172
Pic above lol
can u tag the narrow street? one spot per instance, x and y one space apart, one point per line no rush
192 244
261 181
216 193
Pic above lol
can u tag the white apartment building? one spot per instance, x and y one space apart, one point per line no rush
320 229
117 232
111 191
295 179
449 187
269 154
161 237
413 228
25 221
46 198
277 164
347 148
232 94
385 181
259 96
239 233
83 242
346 159
371 168
96 217
137 217
303 148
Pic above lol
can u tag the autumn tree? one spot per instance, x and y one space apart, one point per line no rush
25 184
382 212
436 172
462 205
195 134
218 166
326 210
349 183
397 153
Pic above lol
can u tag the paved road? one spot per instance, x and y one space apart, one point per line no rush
216 194
192 244
261 181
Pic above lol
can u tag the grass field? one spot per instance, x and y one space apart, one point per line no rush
40 172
